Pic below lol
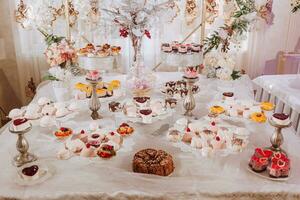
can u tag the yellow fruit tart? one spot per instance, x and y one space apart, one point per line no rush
63 133
115 84
258 117
81 86
267 106
217 110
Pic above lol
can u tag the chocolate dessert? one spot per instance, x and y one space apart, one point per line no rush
30 171
151 161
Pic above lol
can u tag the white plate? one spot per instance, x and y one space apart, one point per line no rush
265 175
48 169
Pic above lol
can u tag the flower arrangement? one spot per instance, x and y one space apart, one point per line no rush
295 5
248 11
221 66
59 53
136 17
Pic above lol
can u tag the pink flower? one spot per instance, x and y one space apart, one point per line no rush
93 75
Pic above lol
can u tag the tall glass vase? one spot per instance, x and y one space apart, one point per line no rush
140 80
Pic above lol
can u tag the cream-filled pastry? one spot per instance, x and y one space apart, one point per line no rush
173 135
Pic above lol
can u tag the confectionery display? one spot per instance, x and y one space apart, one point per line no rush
96 142
43 109
151 161
103 90
178 89
63 133
271 163
181 48
191 72
281 119
208 136
105 50
20 124
246 109
31 173
145 110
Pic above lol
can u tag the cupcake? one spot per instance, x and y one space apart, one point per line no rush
146 115
281 119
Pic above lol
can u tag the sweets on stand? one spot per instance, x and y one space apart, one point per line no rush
191 72
281 119
176 47
99 51
20 124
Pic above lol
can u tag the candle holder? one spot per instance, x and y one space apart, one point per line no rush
189 101
94 103
22 146
277 137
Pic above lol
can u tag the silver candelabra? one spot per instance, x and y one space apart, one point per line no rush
22 146
94 103
189 101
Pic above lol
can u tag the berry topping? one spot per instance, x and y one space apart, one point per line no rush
103 154
188 129
82 132
63 129
213 123
146 112
88 145
218 138
259 115
141 99
19 121
228 94
30 171
95 136
124 125
280 116
112 133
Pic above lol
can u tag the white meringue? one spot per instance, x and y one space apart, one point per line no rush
64 154
61 112
75 146
15 113
44 101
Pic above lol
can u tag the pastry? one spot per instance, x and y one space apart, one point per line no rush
142 101
111 143
75 145
182 49
31 173
173 135
187 136
115 50
228 96
63 133
151 161
195 48
88 151
167 48
115 137
20 124
93 75
217 143
258 164
261 153
64 154
15 113
267 106
96 136
170 103
146 115
191 72
106 151
258 117
44 101
48 110
124 129
114 106
170 85
196 142
115 84
281 119
217 109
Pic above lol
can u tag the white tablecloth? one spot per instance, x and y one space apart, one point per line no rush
193 178
283 87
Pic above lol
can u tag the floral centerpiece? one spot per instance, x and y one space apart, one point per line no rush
135 19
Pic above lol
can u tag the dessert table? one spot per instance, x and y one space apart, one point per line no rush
194 177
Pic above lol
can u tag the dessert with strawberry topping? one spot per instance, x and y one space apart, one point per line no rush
124 129
63 133
191 72
106 151
263 153
279 168
258 164
281 119
228 96
20 124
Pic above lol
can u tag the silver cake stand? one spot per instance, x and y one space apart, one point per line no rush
94 103
277 137
22 147
189 101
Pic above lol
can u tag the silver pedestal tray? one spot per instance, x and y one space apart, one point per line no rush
277 137
22 146
94 103
189 101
